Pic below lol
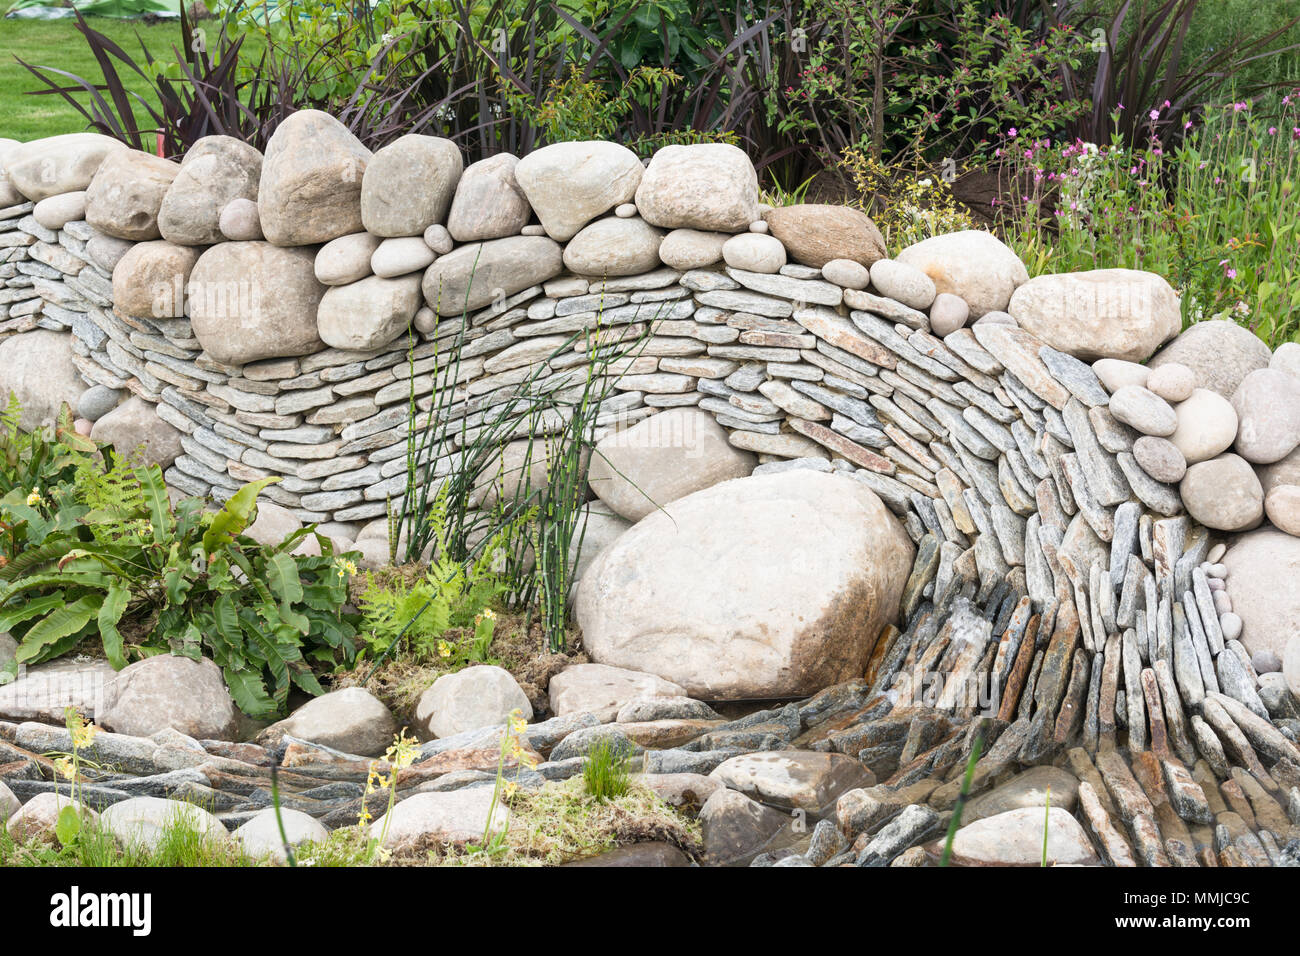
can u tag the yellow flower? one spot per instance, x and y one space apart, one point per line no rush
444 649
510 788
34 498
346 568
490 614
403 751
517 722
65 768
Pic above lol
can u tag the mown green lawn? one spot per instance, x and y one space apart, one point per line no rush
58 44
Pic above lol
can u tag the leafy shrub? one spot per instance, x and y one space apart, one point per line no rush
188 581
910 81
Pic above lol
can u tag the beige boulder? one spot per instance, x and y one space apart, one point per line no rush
687 249
663 458
768 586
489 203
708 186
352 720
37 368
369 314
310 189
973 264
1219 352
471 277
57 164
1263 567
817 234
136 431
215 172
408 185
145 822
253 300
151 281
570 184
173 692
471 699
452 816
603 690
127 192
614 247
1103 313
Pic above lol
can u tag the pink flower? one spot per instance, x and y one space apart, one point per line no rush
1272 131
1154 114
1011 133
1239 107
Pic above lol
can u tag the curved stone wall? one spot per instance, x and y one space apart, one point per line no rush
257 311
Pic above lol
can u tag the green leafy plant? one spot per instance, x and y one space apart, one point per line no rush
449 595
188 581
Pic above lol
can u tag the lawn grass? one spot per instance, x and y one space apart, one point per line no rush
57 43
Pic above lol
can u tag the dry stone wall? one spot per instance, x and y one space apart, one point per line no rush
245 316
945 498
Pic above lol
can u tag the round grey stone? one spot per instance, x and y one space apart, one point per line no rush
98 400
1160 458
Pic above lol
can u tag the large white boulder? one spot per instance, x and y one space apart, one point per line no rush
470 699
453 816
261 836
127 192
1219 352
135 430
310 189
470 277
707 186
765 586
603 690
408 185
253 300
352 720
570 184
57 164
169 692
215 172
144 822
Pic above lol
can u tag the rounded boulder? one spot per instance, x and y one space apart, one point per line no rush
768 586
1102 313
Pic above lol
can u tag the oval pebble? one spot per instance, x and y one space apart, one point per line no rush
948 314
1144 410
1174 382
1160 458
847 274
